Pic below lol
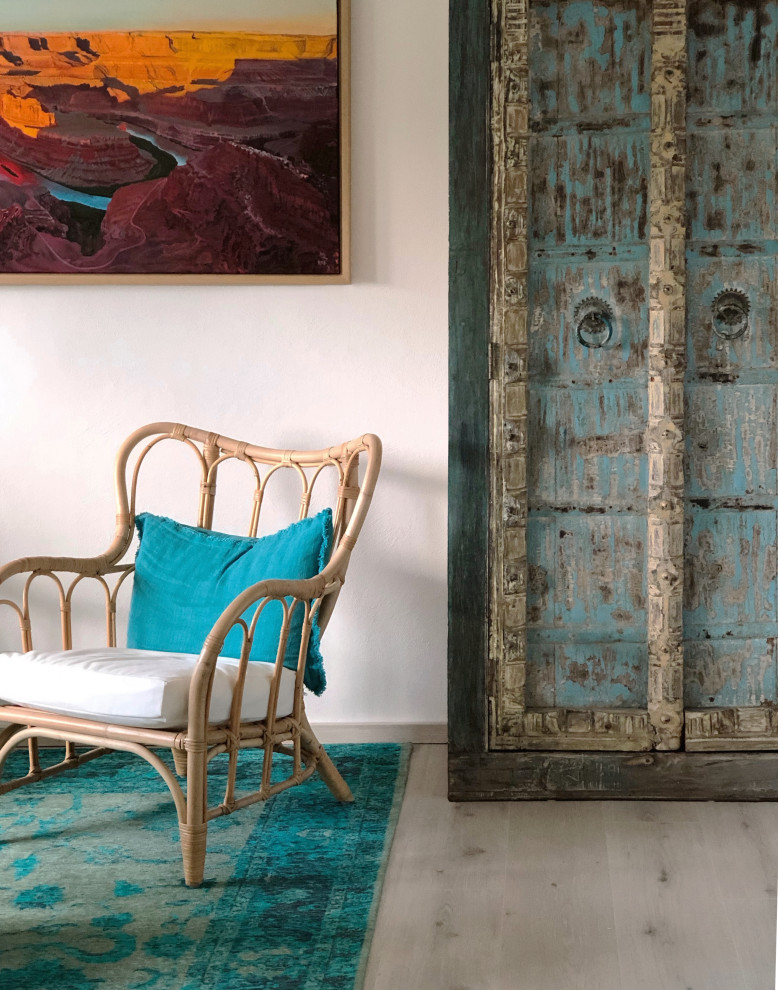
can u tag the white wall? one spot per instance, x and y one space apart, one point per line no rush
82 366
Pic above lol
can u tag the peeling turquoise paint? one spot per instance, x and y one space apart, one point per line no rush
733 49
586 529
729 672
731 594
589 188
585 669
589 59
731 581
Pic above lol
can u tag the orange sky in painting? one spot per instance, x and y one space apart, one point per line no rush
147 61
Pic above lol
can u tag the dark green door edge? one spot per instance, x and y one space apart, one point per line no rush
469 248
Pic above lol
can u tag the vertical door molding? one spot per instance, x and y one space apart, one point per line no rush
508 372
667 364
469 466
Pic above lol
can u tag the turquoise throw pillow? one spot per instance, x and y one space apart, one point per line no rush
186 576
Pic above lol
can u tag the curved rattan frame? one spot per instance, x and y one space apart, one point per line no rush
194 746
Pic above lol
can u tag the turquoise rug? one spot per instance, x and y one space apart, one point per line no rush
92 892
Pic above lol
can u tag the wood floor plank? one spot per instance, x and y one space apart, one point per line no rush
744 839
443 883
565 895
475 878
560 928
406 938
671 922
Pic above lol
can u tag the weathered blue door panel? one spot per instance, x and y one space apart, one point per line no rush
579 675
712 354
730 440
730 604
587 577
732 56
558 291
585 672
587 581
601 461
589 59
722 673
588 340
731 176
589 188
586 449
602 575
731 578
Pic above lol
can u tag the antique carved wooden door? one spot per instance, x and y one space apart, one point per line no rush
730 425
587 378
631 594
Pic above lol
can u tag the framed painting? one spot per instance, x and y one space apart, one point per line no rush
174 141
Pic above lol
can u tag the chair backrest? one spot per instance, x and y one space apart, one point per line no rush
350 502
263 464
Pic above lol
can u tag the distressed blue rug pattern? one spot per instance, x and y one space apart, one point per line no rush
92 892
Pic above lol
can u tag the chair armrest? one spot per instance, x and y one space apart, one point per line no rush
74 565
82 567
305 590
199 691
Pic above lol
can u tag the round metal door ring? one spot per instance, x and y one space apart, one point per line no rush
593 321
730 314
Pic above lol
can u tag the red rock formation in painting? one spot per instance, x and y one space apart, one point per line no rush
169 153
230 209
81 152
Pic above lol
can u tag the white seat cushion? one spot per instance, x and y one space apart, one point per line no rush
134 687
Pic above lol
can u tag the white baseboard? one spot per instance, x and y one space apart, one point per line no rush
359 732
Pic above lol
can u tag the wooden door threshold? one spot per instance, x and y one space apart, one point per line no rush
601 776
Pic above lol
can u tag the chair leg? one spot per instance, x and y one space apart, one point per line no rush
6 747
193 843
329 772
194 831
332 778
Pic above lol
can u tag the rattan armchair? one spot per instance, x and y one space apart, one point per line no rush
196 742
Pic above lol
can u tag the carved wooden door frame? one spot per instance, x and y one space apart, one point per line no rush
498 747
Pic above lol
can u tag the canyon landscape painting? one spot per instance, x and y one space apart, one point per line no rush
167 145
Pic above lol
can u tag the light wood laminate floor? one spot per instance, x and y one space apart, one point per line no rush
556 895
